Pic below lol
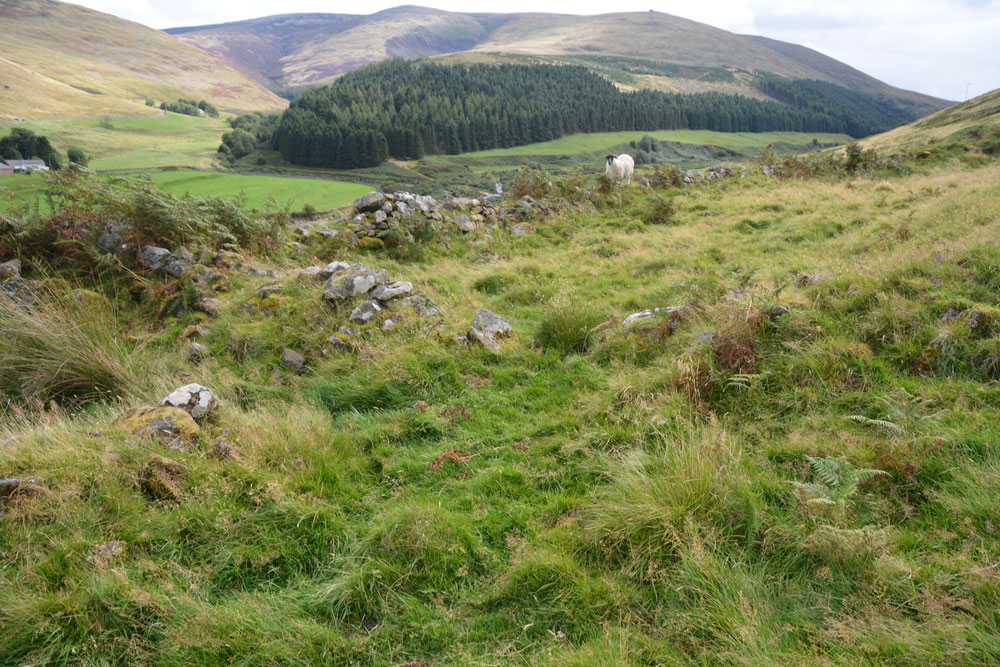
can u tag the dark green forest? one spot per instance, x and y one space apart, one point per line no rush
859 115
406 110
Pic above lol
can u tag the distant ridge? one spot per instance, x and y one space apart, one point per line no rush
296 50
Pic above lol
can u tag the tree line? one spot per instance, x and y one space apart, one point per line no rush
407 109
23 144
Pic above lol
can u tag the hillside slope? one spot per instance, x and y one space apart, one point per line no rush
309 49
976 121
74 62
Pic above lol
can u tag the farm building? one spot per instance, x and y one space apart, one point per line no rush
5 169
26 165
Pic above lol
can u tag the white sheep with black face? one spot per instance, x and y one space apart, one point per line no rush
620 168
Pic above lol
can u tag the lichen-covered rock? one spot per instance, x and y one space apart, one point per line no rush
629 322
421 306
365 312
465 224
292 360
392 290
370 202
353 282
20 291
176 268
338 343
153 258
228 259
196 400
166 423
10 269
332 268
490 330
225 450
210 306
161 478
522 229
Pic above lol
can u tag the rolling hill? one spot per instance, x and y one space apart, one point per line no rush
971 125
636 50
72 62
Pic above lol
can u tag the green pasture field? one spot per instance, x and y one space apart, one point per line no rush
293 193
174 140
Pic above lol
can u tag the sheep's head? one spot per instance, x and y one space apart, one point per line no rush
610 158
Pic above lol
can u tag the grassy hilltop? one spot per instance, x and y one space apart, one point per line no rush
794 461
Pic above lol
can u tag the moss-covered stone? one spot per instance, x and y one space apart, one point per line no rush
370 243
164 423
161 478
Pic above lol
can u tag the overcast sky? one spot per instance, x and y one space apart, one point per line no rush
932 46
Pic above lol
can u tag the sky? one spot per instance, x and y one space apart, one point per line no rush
945 48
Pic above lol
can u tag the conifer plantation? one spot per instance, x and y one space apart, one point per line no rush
407 110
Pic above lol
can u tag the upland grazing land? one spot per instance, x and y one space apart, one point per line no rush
792 461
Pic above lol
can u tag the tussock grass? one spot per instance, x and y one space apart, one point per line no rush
569 327
685 486
67 345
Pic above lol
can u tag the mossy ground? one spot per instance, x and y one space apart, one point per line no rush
608 498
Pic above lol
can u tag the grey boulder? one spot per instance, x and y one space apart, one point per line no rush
152 257
365 312
372 201
489 330
393 290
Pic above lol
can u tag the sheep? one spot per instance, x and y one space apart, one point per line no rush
620 167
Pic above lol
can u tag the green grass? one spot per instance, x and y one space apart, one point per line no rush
254 191
292 193
175 140
586 497
586 143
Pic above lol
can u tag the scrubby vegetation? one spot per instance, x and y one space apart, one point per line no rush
190 107
792 461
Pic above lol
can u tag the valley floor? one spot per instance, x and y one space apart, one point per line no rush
691 491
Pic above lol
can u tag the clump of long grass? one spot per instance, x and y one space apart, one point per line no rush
569 327
65 346
688 485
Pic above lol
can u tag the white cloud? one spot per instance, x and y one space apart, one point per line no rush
933 46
